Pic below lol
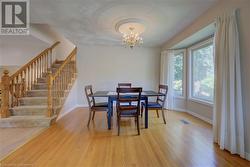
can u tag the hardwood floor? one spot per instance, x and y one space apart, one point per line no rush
183 142
13 138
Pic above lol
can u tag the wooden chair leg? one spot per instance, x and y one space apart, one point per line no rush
157 113
93 115
138 125
90 112
118 124
163 116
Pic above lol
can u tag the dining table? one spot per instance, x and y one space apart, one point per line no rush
112 97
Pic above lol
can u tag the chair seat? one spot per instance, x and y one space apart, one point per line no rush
100 106
129 113
103 104
152 105
128 110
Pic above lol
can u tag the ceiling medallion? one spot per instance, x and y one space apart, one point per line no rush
131 30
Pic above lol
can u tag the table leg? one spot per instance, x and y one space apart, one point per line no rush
109 112
112 108
146 112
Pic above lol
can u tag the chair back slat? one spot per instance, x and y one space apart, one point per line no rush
124 85
131 95
163 89
89 92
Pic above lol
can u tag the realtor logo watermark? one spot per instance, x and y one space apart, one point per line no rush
14 17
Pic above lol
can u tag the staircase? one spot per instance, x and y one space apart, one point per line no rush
38 102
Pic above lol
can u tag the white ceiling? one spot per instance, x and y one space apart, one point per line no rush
93 21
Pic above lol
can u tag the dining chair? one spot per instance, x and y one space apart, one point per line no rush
133 107
93 106
159 103
124 85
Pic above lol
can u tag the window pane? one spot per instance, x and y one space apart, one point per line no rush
178 74
203 73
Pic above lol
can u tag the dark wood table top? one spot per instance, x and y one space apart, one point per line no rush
113 93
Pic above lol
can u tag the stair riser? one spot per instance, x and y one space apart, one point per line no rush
56 66
37 93
42 80
40 86
29 111
25 102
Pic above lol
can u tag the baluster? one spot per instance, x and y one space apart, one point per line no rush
50 57
50 82
15 90
18 89
32 74
41 67
42 64
21 75
35 68
28 78
23 87
40 72
21 84
46 61
12 92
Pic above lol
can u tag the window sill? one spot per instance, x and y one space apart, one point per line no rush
179 97
201 102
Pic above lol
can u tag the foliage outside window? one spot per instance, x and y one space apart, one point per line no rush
202 73
178 73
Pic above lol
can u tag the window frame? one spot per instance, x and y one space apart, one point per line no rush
190 76
183 51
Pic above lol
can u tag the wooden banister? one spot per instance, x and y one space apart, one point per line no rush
60 82
46 51
16 85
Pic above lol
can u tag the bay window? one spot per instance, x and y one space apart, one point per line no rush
178 73
202 72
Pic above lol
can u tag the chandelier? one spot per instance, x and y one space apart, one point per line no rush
132 38
131 30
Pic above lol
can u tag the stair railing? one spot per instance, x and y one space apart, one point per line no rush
16 85
59 84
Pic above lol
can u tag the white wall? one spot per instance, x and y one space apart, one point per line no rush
105 66
18 50
71 101
49 35
244 27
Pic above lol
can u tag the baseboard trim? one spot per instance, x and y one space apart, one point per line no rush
71 109
175 109
200 117
179 110
83 105
248 156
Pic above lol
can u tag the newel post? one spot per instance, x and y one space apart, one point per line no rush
49 81
5 94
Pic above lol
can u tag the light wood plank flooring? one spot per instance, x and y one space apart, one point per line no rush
12 138
69 143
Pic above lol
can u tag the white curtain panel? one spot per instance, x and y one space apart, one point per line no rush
167 76
228 120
